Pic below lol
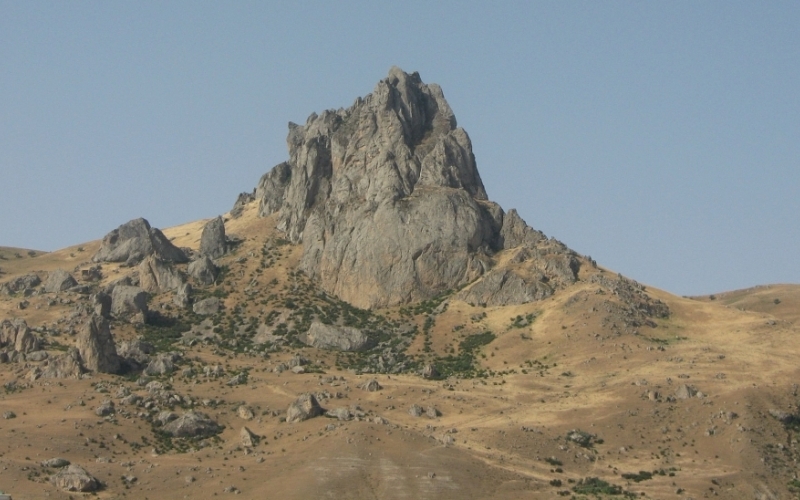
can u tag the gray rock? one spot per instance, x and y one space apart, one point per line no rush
58 281
415 410
192 424
67 365
207 307
432 412
213 243
340 338
341 413
8 415
156 275
55 463
361 188
249 440
502 287
105 409
371 385
685 392
242 201
303 408
161 365
36 356
203 271
245 413
429 371
101 303
16 334
183 296
138 351
74 478
133 241
238 379
128 301
96 346
165 417
21 284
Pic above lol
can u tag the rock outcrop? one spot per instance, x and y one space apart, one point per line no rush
58 281
386 199
133 241
213 243
340 338
67 365
96 346
156 275
16 335
21 284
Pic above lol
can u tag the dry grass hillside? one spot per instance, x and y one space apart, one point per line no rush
581 395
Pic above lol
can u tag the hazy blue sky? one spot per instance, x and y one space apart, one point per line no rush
661 138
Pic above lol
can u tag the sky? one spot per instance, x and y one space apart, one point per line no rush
661 138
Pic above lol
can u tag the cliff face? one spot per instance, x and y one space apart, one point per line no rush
387 201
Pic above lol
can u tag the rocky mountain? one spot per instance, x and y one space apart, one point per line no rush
367 324
387 201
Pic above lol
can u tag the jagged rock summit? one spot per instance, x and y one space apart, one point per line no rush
386 198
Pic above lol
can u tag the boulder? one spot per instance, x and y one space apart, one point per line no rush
96 346
192 424
685 392
137 351
105 409
342 413
183 296
340 338
371 385
429 371
156 275
415 410
101 303
160 365
67 365
128 301
203 271
58 281
21 284
74 478
16 334
207 307
55 463
213 243
249 440
135 240
503 287
245 413
303 408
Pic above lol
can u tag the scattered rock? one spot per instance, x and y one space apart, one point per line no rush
238 379
207 307
8 415
135 240
58 281
341 413
36 356
74 478
137 351
15 333
241 201
432 412
340 338
96 347
303 408
213 243
203 271
192 424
